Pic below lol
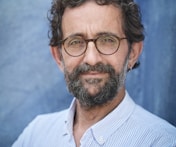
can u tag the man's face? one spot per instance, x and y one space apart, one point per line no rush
94 78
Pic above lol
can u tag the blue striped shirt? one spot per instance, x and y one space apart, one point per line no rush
128 125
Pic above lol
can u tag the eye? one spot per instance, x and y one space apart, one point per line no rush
107 39
74 42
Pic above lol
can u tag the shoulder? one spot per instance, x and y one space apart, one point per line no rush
153 127
45 122
145 117
43 127
51 117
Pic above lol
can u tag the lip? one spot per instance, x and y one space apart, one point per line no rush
93 74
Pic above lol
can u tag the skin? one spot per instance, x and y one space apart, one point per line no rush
89 20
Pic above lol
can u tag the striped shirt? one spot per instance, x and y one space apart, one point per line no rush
128 125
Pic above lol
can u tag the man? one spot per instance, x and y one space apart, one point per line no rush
95 43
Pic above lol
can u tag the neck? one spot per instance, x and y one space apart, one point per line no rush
86 117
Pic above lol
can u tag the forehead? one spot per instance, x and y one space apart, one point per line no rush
91 18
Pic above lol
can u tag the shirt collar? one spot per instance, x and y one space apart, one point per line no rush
69 118
112 121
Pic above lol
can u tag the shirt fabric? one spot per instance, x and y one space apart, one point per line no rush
128 125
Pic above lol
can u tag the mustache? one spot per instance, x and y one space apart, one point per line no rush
84 68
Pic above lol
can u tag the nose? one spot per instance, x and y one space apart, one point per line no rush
92 56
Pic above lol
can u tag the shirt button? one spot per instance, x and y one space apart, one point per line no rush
101 140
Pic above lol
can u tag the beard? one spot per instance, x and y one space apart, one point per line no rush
104 92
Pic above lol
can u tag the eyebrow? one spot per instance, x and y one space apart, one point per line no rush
105 33
98 34
75 34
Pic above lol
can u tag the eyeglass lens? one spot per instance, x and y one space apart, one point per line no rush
105 44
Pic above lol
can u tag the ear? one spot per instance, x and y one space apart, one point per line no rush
136 49
57 56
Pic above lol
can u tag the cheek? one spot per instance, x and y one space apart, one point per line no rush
118 60
70 62
117 65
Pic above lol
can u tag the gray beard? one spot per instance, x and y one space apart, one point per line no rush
105 93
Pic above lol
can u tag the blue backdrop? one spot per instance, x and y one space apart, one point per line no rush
31 83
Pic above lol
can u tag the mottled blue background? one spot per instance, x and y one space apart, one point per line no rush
31 83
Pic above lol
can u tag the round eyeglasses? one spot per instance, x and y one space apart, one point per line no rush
106 44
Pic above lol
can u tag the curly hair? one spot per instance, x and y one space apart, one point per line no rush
131 23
